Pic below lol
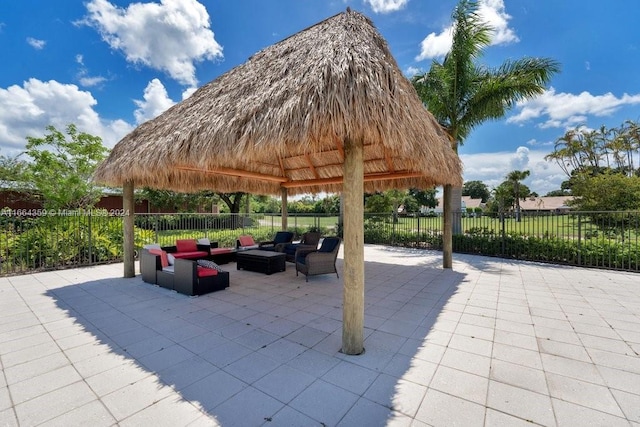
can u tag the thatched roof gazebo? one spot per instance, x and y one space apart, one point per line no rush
326 109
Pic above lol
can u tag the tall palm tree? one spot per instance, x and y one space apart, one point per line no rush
462 94
514 177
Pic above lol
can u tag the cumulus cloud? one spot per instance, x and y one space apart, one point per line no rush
565 110
35 43
490 11
156 101
28 109
520 160
492 168
170 36
386 6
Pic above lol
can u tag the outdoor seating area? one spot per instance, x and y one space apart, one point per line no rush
490 342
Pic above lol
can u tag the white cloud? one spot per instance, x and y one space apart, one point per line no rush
156 101
386 6
490 11
492 168
83 75
90 81
170 36
28 109
412 71
35 43
567 109
188 92
535 143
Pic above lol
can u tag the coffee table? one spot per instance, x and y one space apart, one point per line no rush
266 262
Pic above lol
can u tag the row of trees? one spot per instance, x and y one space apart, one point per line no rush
601 167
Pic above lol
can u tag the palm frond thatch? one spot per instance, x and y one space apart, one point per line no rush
281 118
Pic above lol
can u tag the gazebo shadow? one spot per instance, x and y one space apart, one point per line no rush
273 342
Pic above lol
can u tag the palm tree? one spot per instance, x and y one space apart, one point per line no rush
462 94
514 177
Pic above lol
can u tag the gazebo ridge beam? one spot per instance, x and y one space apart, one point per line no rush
235 172
339 179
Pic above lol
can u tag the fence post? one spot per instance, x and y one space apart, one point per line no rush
155 228
579 239
89 236
502 234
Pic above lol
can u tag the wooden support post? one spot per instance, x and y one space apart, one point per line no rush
447 228
353 293
128 210
283 211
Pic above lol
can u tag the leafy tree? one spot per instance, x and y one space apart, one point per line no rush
476 190
378 203
11 168
514 177
504 197
179 202
62 167
462 94
606 192
425 197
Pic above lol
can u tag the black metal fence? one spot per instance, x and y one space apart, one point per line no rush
592 239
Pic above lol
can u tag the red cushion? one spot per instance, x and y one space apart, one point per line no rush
164 259
190 255
205 272
186 245
220 250
246 241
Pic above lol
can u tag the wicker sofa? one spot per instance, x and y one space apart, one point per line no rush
184 276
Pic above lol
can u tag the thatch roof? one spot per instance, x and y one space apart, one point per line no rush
280 120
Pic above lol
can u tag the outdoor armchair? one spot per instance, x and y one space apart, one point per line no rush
311 262
279 241
309 240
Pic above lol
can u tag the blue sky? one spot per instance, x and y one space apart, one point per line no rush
109 65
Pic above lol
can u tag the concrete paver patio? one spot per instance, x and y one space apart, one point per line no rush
490 343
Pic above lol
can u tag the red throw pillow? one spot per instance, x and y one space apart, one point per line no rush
186 245
164 259
205 272
246 241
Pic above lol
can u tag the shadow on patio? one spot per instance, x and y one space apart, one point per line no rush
266 350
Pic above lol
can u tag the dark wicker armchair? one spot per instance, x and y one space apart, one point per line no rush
279 241
310 261
309 240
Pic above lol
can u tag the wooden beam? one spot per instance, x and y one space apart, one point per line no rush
310 163
353 288
235 172
340 148
339 179
284 213
389 161
128 207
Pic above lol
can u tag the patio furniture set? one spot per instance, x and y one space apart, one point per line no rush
192 266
